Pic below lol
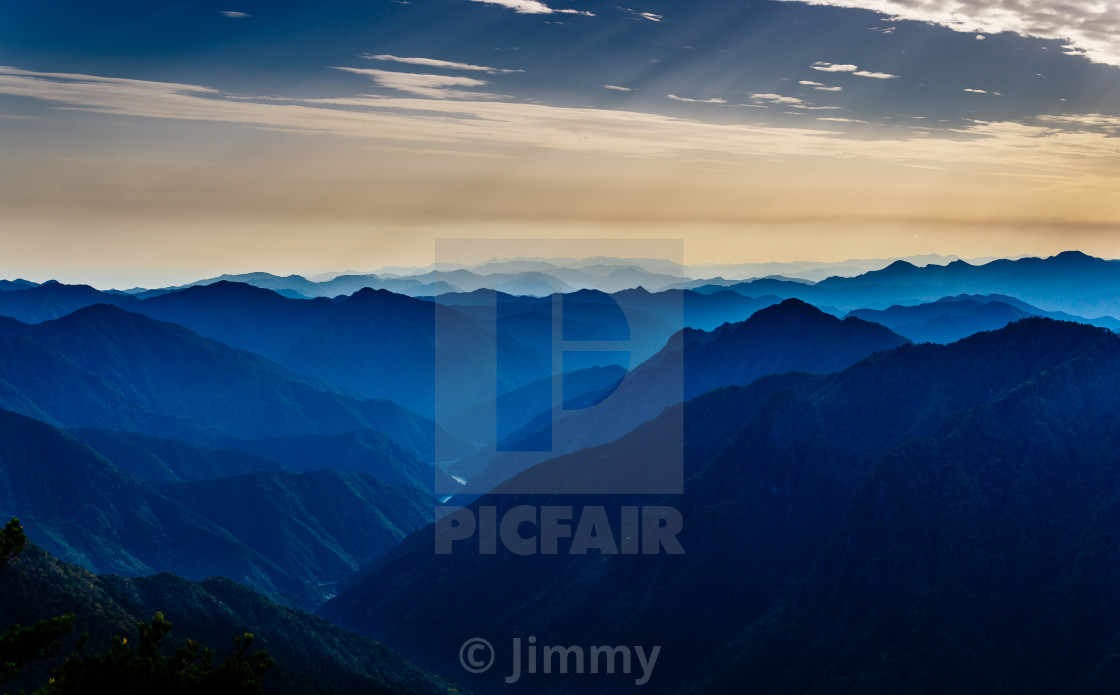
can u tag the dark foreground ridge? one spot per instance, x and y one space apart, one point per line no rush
932 519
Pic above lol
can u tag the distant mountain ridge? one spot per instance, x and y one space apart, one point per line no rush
107 368
1071 281
373 344
951 318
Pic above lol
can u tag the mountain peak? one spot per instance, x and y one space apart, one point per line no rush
226 288
901 265
94 310
1074 257
367 294
791 308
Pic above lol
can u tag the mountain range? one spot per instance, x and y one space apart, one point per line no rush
321 526
107 368
791 336
1070 282
899 481
951 318
810 538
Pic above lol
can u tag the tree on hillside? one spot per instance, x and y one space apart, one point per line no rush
124 669
20 645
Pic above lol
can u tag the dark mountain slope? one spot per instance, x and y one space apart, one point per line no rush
319 526
287 535
80 507
168 460
363 451
791 336
983 560
104 367
775 468
312 656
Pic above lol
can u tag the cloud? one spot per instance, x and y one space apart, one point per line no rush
435 86
976 91
1075 154
829 67
445 64
835 119
714 100
235 15
1089 120
775 99
616 88
853 69
1090 29
644 15
820 87
532 7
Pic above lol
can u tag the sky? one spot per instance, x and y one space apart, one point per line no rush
155 143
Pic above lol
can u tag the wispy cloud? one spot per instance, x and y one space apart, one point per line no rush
1073 153
976 91
1091 29
616 88
829 67
434 86
235 15
434 63
532 7
644 15
714 100
821 87
852 69
1088 120
776 99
